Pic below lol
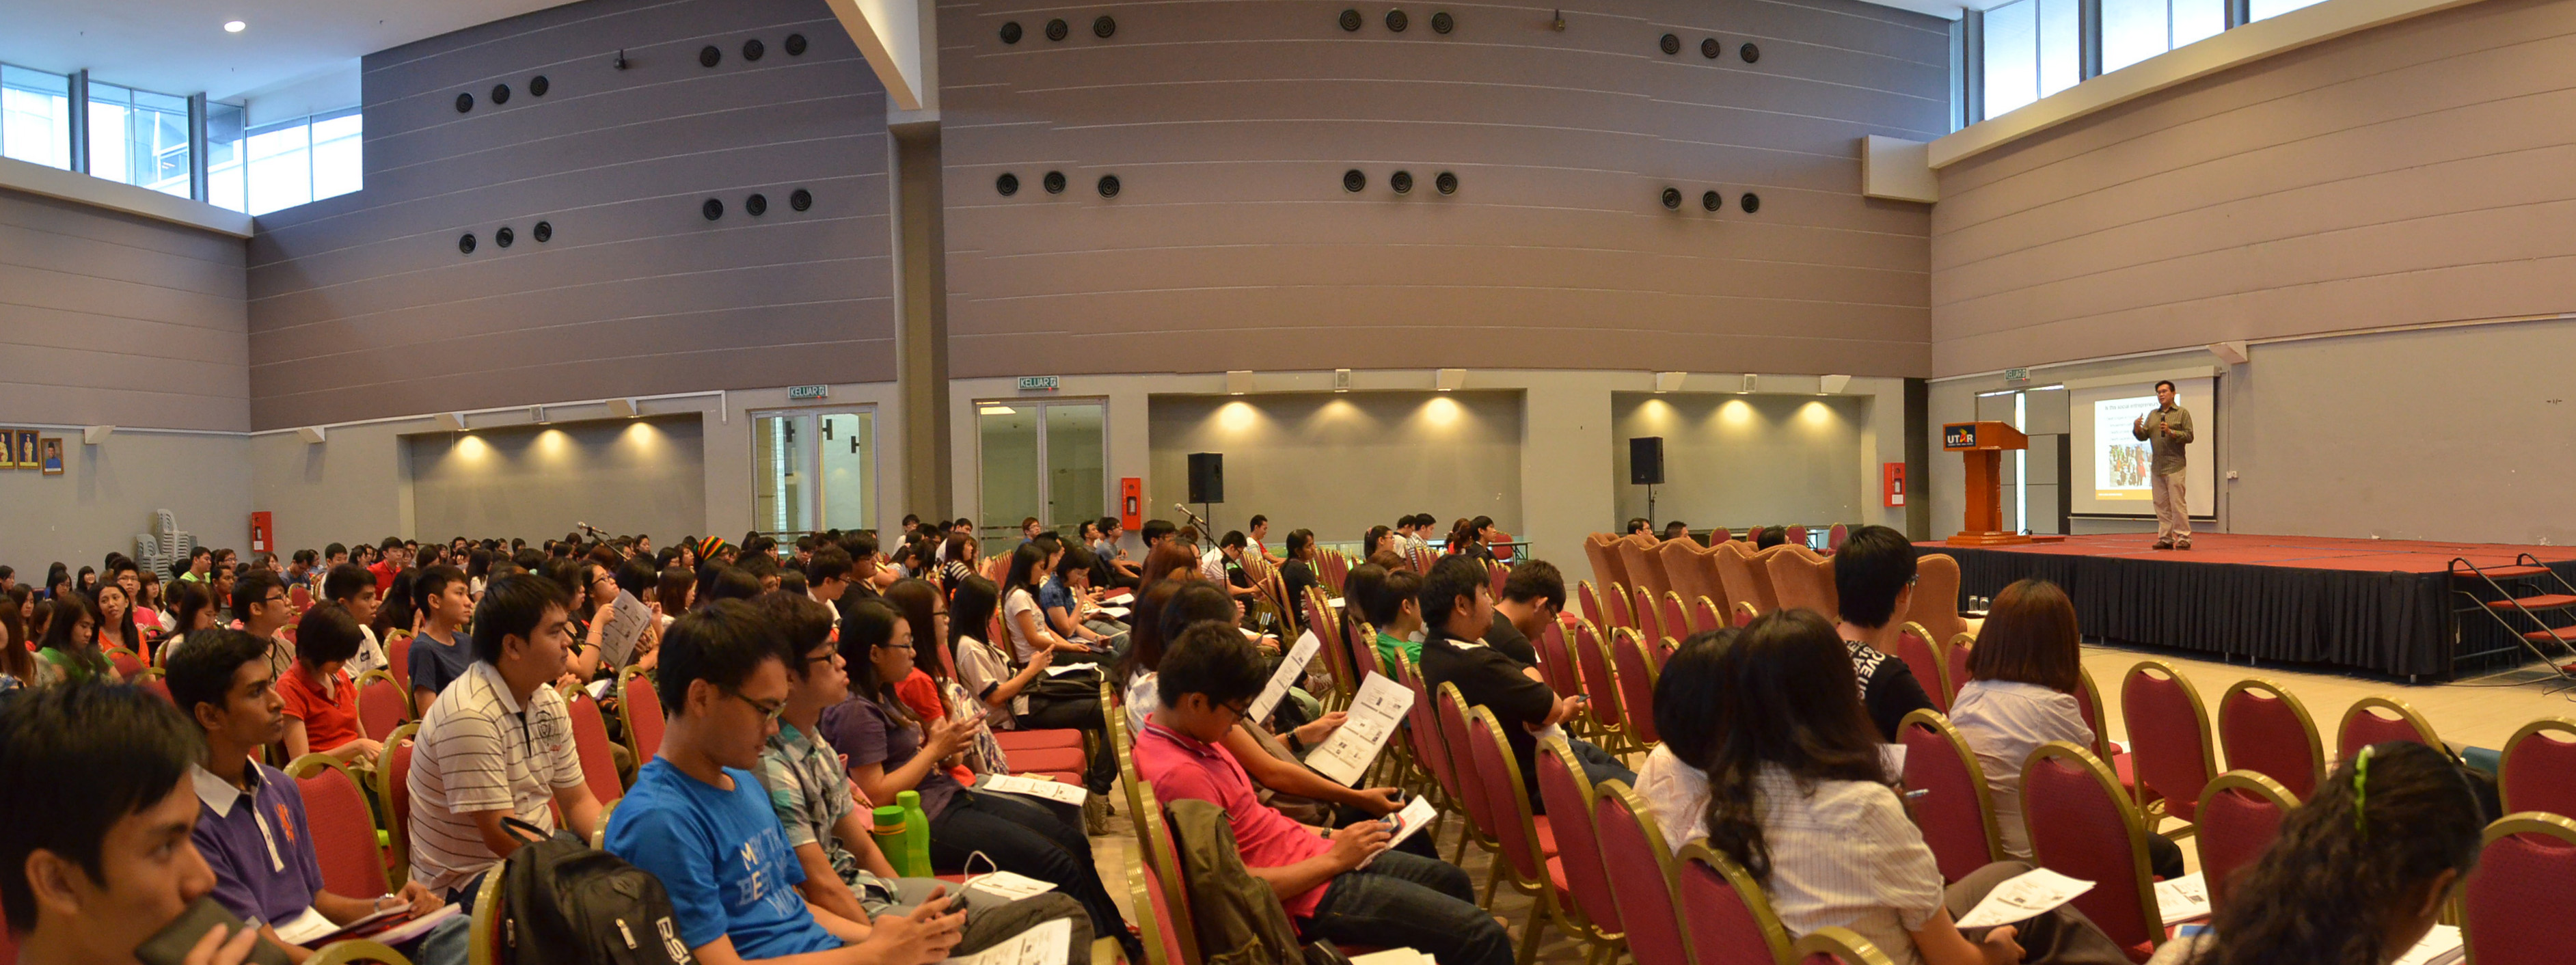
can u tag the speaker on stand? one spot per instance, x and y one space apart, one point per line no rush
1207 483
1646 467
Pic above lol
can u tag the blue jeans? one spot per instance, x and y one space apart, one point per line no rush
1408 901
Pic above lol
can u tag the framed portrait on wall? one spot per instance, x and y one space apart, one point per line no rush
49 454
8 449
25 448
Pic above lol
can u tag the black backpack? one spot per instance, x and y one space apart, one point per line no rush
566 903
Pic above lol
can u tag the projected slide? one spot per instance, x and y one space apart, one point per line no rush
2114 470
2120 460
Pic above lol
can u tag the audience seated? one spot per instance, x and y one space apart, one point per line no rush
1070 604
1392 600
69 649
261 605
1674 782
1345 887
1533 597
321 702
438 655
1874 581
353 589
1458 606
1001 697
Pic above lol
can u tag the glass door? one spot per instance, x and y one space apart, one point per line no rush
1047 460
813 470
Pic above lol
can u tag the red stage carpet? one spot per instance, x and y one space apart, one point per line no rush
2379 605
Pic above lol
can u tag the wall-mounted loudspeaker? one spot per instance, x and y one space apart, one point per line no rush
1053 182
464 102
713 209
801 199
1008 184
500 93
1671 44
1103 26
753 49
1401 181
538 85
1672 199
709 56
1749 52
1351 20
1397 21
1446 182
1646 461
1752 202
1207 477
504 236
465 245
1056 29
1712 201
1353 181
1108 185
795 45
1011 32
545 232
757 204
1711 49
1442 22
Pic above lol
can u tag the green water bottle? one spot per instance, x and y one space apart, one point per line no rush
890 831
916 836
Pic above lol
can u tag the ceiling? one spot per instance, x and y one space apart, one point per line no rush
180 47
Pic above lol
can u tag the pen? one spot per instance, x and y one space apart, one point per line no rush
1917 794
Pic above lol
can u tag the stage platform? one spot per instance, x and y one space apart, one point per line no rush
2360 604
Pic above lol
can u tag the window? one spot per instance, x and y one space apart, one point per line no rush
2033 49
138 137
2266 9
810 467
284 164
1042 459
36 117
2134 30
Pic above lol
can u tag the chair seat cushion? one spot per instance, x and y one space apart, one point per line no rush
1048 759
1012 740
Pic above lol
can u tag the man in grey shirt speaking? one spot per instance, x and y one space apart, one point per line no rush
2165 431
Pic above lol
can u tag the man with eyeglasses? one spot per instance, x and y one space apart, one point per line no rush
699 819
259 598
498 743
1874 585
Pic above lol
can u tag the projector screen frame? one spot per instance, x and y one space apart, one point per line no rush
2204 445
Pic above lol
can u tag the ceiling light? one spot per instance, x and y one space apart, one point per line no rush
235 26
1447 379
997 410
1669 381
1834 384
1238 381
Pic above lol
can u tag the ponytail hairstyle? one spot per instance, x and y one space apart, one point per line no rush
1788 698
2386 822
867 625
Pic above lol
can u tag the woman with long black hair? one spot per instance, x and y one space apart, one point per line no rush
70 643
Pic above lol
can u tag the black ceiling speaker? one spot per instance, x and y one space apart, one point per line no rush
1712 201
1353 181
757 204
1397 21
1672 45
1104 26
1446 182
504 236
1056 30
801 199
1401 181
709 56
1442 22
795 45
1011 32
1108 185
500 93
1054 182
464 102
713 209
1008 184
1711 49
465 245
1752 202
1749 52
753 49
1351 20
538 85
545 232
1673 199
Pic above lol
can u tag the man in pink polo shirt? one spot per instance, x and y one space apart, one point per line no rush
1209 676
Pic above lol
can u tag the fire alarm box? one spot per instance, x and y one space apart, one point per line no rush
261 530
1892 483
1131 504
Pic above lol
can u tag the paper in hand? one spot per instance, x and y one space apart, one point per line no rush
1375 710
1289 667
1045 944
1034 787
1008 886
1060 669
2023 897
2440 946
2183 899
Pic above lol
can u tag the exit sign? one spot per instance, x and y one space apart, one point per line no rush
808 391
1040 383
2016 376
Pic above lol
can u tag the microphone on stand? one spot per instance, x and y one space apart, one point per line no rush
1194 517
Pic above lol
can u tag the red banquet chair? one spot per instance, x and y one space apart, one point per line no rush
2540 768
2082 827
1706 616
1600 688
1956 813
382 705
1631 842
1592 911
1532 868
2378 720
1636 671
1619 605
1556 662
2168 734
1676 624
1914 646
590 744
1726 916
1954 657
2240 813
2265 729
1650 619
639 708
342 825
2513 911
1483 827
1837 946
1588 601
398 657
2088 698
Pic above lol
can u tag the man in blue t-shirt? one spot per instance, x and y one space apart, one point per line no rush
699 819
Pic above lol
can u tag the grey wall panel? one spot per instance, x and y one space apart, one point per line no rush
108 318
1801 448
623 476
1233 245
363 307
1340 463
107 493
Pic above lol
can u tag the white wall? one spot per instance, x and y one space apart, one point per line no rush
1340 463
620 475
107 493
1740 461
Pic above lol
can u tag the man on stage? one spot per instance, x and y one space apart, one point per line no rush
2165 431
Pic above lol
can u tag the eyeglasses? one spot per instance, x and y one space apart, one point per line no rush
770 711
1239 710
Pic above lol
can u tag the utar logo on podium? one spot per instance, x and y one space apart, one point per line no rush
1960 436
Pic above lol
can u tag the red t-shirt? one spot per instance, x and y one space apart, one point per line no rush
328 723
385 573
1181 766
920 694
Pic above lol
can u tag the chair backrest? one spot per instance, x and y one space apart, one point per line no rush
342 826
1152 916
1644 567
2511 912
1956 813
1568 795
1682 568
1507 798
1636 672
2082 827
1834 537
1588 602
393 791
1365 659
1914 646
1451 707
382 704
1795 535
2240 813
2378 720
398 657
2266 730
1726 917
1837 946
2088 699
590 743
1607 566
1936 596
1163 866
1631 842
126 662
1556 662
301 596
1954 658
2540 768
1495 574
639 708
1337 654
1676 624
1735 577
1707 615
484 937
1766 592
1620 606
1422 729
1598 683
1650 617
1797 580
2168 735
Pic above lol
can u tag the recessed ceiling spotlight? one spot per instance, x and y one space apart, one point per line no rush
235 26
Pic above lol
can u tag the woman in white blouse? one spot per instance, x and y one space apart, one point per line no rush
1686 696
1799 797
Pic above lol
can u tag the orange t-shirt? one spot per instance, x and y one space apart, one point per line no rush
920 694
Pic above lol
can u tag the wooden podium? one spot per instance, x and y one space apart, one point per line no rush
1983 445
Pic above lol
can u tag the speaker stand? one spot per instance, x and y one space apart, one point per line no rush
1650 505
